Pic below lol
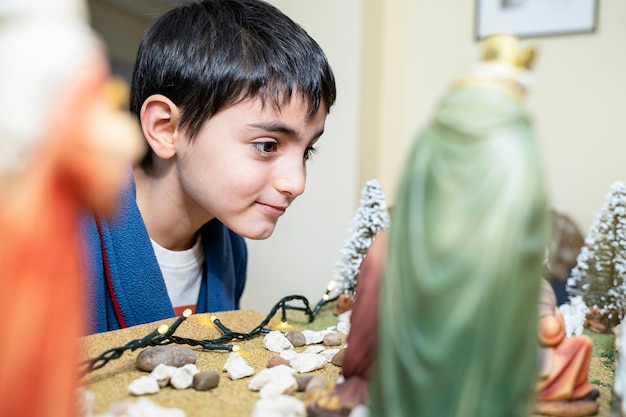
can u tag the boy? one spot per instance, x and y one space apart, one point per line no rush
231 96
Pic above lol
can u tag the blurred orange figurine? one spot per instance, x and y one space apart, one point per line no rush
563 388
64 148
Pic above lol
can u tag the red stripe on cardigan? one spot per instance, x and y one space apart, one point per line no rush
107 273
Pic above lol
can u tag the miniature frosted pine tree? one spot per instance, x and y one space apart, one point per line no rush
600 272
370 218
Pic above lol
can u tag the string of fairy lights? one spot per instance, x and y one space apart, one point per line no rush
371 218
164 334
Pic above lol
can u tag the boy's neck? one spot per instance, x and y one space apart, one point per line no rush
162 207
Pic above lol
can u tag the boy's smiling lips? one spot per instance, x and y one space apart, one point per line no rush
273 210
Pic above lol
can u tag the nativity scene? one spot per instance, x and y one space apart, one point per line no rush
443 304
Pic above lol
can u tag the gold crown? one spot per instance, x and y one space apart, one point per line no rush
506 48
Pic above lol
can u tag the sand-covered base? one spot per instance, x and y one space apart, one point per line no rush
233 398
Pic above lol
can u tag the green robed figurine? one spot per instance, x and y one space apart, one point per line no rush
458 307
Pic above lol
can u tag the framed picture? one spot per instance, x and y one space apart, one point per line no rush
535 18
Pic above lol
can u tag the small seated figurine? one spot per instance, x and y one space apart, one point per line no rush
563 388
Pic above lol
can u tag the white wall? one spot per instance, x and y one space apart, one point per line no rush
577 102
579 108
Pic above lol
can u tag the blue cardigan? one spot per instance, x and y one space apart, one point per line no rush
126 287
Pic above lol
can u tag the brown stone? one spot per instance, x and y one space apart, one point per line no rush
332 339
206 380
277 360
172 355
296 338
337 359
302 381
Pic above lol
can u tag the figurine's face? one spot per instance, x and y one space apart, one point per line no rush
99 140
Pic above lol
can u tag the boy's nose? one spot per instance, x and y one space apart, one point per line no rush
291 181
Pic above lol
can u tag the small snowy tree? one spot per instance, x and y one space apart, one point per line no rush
619 385
370 218
574 314
600 271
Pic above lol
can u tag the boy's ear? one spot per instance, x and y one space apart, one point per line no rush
159 123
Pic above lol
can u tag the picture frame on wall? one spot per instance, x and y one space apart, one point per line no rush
535 18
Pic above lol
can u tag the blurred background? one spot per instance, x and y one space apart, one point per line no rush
393 60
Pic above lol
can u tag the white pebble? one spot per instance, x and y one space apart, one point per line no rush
288 354
143 385
328 354
264 376
183 376
143 407
237 367
276 341
86 400
162 374
312 337
307 362
281 384
344 317
343 327
360 411
314 349
281 406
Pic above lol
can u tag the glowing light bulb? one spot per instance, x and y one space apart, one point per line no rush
187 312
163 329
235 348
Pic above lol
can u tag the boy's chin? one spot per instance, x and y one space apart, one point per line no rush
256 234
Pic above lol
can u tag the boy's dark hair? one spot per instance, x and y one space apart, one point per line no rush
209 55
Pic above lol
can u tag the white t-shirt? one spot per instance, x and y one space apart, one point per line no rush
182 271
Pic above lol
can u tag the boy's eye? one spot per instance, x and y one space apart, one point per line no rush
310 151
266 147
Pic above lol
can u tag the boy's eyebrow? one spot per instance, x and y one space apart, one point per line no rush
279 127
